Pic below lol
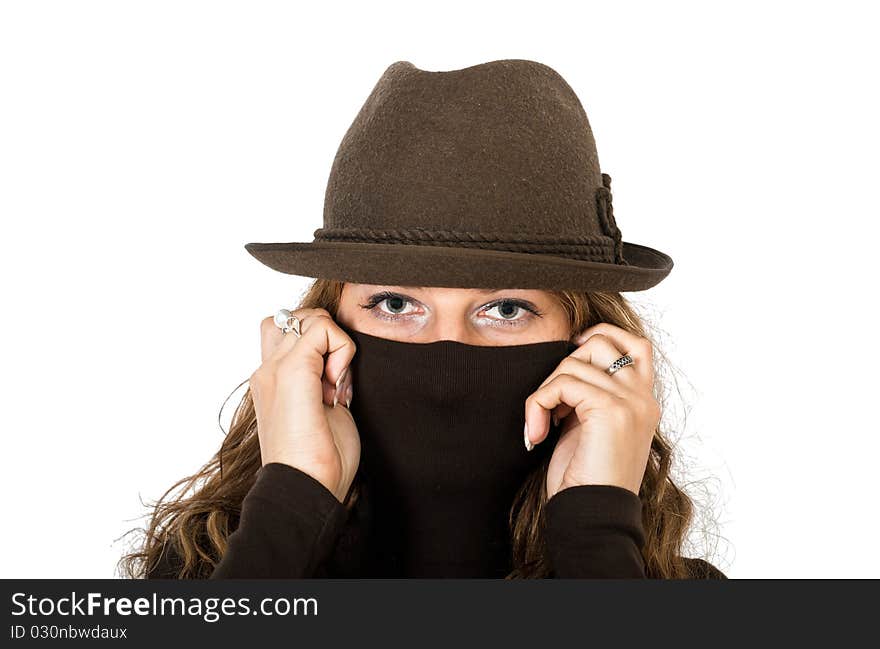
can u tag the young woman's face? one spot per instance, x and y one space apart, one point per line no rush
467 315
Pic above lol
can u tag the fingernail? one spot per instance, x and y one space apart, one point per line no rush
341 377
338 383
349 392
529 445
555 419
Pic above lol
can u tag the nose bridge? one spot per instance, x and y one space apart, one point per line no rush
456 330
452 319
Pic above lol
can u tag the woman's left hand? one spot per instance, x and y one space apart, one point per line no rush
607 422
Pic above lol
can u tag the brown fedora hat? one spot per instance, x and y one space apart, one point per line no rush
484 177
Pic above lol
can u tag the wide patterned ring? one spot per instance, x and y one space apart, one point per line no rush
623 361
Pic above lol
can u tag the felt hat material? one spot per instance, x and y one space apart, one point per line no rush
483 177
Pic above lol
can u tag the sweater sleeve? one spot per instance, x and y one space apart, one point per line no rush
702 569
288 526
595 531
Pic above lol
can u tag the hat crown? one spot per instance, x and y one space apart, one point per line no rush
496 155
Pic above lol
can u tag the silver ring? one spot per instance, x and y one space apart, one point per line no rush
288 322
623 361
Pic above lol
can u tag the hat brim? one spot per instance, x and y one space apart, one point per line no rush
457 267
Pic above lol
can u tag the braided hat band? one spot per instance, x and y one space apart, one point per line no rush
606 248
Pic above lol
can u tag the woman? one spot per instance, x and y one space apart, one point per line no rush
468 283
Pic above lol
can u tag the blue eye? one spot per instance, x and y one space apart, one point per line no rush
395 302
508 306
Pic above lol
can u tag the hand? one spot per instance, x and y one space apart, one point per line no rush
607 421
299 421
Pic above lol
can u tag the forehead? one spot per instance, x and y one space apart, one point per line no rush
441 290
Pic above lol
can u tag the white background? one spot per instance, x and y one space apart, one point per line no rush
142 144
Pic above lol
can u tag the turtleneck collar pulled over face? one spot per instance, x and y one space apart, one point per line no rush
442 453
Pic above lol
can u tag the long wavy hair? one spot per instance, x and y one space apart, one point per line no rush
197 513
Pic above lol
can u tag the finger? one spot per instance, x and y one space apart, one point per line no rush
270 336
639 347
582 363
286 342
601 351
335 393
339 349
324 343
563 389
346 390
577 364
339 387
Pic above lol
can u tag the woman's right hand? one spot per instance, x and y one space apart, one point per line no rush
293 393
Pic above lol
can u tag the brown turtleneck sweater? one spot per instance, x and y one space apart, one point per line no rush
291 526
